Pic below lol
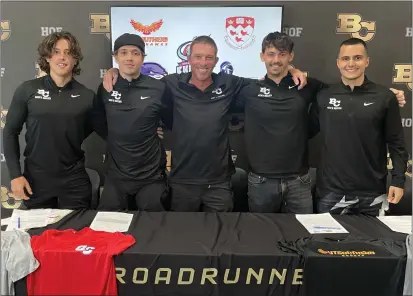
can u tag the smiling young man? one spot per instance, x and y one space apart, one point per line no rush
359 120
133 110
276 133
200 177
57 111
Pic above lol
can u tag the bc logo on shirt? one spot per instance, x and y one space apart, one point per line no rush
86 250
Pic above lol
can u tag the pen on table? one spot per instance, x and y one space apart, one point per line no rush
326 227
18 222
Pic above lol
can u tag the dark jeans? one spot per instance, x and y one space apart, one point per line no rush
147 195
339 204
206 198
72 191
287 195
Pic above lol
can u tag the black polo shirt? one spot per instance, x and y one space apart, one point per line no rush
201 151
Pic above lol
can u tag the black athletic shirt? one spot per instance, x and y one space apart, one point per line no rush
356 126
277 125
133 111
201 151
57 120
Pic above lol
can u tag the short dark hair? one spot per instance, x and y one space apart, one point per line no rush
278 40
45 50
353 41
204 39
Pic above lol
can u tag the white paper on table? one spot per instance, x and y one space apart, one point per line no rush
401 224
28 219
56 215
320 223
111 221
5 221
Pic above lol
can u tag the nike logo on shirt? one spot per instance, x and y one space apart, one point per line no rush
143 98
366 104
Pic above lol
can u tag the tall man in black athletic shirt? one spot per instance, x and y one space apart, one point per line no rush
276 133
137 159
58 112
201 172
359 120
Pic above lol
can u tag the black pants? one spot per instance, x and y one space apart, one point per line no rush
68 191
340 204
120 194
286 195
206 198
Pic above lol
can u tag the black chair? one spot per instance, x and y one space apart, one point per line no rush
95 180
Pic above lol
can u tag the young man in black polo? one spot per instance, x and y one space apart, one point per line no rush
359 120
137 160
58 112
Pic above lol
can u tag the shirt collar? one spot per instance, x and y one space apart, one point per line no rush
52 85
364 86
286 81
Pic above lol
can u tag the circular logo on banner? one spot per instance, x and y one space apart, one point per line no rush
227 68
183 52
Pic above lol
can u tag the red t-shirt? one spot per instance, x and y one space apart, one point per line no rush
76 262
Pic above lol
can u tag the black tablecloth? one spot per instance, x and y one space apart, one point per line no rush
239 254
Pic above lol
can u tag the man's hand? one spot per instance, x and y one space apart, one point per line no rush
400 96
17 188
298 77
110 78
395 194
159 131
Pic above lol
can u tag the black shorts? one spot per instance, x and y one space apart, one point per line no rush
120 194
68 191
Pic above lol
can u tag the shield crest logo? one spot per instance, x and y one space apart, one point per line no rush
240 31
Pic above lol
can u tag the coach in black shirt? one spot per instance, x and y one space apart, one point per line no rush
133 109
359 120
58 112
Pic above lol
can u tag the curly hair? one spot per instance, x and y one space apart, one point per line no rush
48 45
278 40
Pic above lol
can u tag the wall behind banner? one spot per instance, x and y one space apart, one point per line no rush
317 28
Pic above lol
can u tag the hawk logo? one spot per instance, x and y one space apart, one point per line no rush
403 74
353 24
3 116
146 29
240 31
5 30
8 201
100 24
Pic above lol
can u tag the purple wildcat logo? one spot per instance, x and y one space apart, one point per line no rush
153 70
